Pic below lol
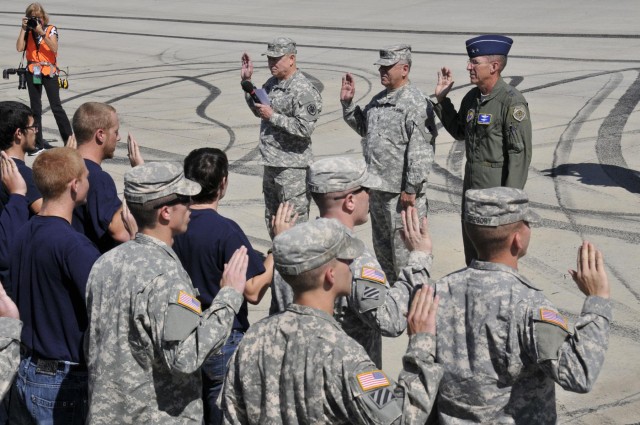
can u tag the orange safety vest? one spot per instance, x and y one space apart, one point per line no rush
41 54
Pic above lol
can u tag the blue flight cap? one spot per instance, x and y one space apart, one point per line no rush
485 45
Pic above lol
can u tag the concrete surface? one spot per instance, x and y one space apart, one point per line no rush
172 71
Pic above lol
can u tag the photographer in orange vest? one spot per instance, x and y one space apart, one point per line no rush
40 41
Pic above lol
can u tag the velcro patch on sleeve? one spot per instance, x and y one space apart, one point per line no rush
372 380
189 301
371 293
551 316
381 397
373 274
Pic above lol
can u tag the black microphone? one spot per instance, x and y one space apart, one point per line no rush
248 87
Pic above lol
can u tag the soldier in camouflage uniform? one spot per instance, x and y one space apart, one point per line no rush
502 343
285 129
340 186
493 120
398 129
147 335
300 367
10 328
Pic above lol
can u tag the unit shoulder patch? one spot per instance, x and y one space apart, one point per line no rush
381 397
519 113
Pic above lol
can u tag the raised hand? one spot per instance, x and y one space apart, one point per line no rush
348 89
423 311
247 67
415 232
445 82
235 271
591 276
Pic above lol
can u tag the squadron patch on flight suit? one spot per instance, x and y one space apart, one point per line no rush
470 115
519 113
381 397
372 274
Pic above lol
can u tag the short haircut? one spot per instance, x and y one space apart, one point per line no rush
54 169
501 59
491 240
407 61
13 116
146 217
37 7
325 201
307 281
207 166
89 118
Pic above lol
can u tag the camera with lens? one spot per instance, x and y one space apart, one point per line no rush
32 22
22 76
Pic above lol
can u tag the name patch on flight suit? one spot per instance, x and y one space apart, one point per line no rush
372 274
470 115
484 119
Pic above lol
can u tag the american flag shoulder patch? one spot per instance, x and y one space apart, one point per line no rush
373 379
189 302
551 316
373 274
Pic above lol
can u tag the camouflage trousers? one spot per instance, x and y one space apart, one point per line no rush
280 184
386 229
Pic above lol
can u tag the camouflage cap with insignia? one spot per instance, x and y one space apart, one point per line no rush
393 54
337 174
281 46
155 180
309 245
498 206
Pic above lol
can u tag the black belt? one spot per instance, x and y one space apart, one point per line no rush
50 367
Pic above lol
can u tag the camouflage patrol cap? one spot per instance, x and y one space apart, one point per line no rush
497 206
393 54
337 174
281 46
155 180
309 245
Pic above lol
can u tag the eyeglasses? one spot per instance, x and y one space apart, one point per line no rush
355 192
32 127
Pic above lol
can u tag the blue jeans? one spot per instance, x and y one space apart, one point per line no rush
214 370
49 397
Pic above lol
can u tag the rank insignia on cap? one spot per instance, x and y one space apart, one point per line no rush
381 397
372 380
370 293
519 113
554 317
189 302
470 115
372 274
311 109
484 119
